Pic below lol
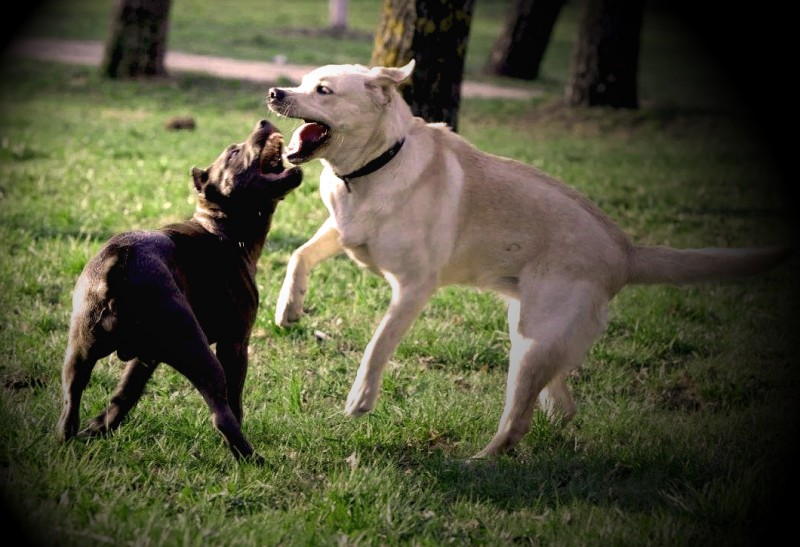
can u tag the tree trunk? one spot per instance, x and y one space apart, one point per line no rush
520 48
435 34
337 9
137 43
605 60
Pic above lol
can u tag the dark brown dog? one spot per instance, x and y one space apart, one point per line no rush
166 295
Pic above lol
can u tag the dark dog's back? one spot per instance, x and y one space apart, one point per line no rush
138 272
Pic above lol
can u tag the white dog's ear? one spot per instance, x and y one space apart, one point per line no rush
392 75
381 80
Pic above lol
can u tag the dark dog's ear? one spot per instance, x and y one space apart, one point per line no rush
199 177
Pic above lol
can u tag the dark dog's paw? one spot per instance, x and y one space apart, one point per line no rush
64 433
67 426
254 459
94 428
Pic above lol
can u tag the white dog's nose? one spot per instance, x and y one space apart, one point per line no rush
276 94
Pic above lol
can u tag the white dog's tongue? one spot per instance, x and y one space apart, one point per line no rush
305 140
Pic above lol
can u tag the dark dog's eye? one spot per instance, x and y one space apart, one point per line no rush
324 90
233 151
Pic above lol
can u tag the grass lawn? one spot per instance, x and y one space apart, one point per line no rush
686 406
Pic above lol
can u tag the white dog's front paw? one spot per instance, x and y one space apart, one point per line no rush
289 306
361 399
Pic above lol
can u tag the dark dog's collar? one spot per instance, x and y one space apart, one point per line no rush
374 165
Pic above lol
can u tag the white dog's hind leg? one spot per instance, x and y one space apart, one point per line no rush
408 301
324 244
551 330
555 398
556 401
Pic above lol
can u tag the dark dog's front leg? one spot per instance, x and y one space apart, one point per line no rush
128 392
233 358
204 370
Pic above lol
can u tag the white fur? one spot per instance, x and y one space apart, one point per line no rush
442 212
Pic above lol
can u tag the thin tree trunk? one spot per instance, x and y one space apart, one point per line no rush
435 34
605 60
137 41
337 10
520 48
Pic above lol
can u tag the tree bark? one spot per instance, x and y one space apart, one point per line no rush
605 60
520 48
137 42
435 34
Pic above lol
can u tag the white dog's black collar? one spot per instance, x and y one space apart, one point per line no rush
374 165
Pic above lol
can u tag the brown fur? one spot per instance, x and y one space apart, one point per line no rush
166 295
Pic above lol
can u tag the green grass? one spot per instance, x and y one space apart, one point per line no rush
686 404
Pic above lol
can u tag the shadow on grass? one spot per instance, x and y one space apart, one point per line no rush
556 467
715 495
553 478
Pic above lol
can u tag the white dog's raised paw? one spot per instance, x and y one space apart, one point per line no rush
359 402
287 311
286 318
354 411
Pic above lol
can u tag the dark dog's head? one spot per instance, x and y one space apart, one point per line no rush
247 178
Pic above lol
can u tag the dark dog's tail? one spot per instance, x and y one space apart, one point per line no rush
668 265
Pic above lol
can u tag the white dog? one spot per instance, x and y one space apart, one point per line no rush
422 207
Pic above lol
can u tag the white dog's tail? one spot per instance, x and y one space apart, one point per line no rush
669 265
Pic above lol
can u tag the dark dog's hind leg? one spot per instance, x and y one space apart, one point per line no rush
128 392
78 364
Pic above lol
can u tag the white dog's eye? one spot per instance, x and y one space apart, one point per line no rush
324 90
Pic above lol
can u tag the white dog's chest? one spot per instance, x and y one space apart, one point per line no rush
385 226
351 221
356 224
361 256
357 238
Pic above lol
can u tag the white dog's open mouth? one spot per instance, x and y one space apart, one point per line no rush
306 140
